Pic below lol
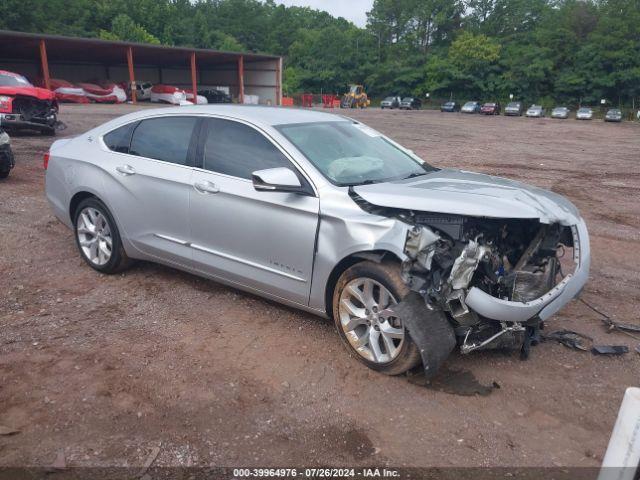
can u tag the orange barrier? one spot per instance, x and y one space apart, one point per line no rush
330 101
287 101
307 100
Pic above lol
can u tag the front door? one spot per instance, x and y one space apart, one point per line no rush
262 240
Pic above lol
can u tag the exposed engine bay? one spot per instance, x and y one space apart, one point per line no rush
517 260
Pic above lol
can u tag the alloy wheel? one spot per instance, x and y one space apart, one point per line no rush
94 236
370 327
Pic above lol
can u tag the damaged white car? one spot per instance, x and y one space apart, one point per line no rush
325 214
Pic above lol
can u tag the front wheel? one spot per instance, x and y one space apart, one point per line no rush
370 331
98 238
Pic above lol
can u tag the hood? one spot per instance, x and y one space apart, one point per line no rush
459 192
36 92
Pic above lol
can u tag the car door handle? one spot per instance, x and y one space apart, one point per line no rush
206 187
126 170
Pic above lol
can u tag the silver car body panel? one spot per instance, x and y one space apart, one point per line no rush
280 245
467 193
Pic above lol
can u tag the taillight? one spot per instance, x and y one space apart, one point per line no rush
46 160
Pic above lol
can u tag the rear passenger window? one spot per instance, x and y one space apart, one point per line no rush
119 139
238 150
165 139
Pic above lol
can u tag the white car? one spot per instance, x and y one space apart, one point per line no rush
535 111
143 90
471 107
584 113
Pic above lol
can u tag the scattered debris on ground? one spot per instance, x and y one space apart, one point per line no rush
609 349
569 338
621 327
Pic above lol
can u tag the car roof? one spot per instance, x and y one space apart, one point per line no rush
259 115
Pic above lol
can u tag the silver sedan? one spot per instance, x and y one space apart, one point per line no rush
325 214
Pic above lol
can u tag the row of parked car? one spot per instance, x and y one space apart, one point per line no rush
536 111
406 103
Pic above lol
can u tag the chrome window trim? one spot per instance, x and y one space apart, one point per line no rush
271 140
260 130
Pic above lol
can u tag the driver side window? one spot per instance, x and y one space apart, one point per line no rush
235 149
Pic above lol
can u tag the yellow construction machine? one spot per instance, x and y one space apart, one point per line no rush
356 97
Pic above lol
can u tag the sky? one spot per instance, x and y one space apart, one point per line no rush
354 10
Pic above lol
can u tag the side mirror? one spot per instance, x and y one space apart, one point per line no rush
280 179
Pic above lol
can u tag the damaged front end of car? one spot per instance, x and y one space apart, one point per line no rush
491 280
28 112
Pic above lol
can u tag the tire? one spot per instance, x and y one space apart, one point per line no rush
4 174
48 132
117 260
387 275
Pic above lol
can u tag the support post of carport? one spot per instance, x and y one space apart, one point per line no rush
241 79
45 64
132 77
279 81
193 78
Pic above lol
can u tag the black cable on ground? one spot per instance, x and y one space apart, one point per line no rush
607 319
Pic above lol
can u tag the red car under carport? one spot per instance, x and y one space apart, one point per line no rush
23 106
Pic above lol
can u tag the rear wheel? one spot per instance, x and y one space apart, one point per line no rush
98 238
4 174
361 301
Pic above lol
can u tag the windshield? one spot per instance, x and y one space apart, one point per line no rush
513 105
407 99
489 104
13 80
470 104
352 154
584 110
388 99
449 104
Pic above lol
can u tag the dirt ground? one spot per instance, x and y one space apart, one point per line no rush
105 368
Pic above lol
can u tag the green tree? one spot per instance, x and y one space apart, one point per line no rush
568 50
124 28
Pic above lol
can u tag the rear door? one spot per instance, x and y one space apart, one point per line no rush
152 179
262 240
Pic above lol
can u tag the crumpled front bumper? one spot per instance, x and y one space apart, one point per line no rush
545 306
17 121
